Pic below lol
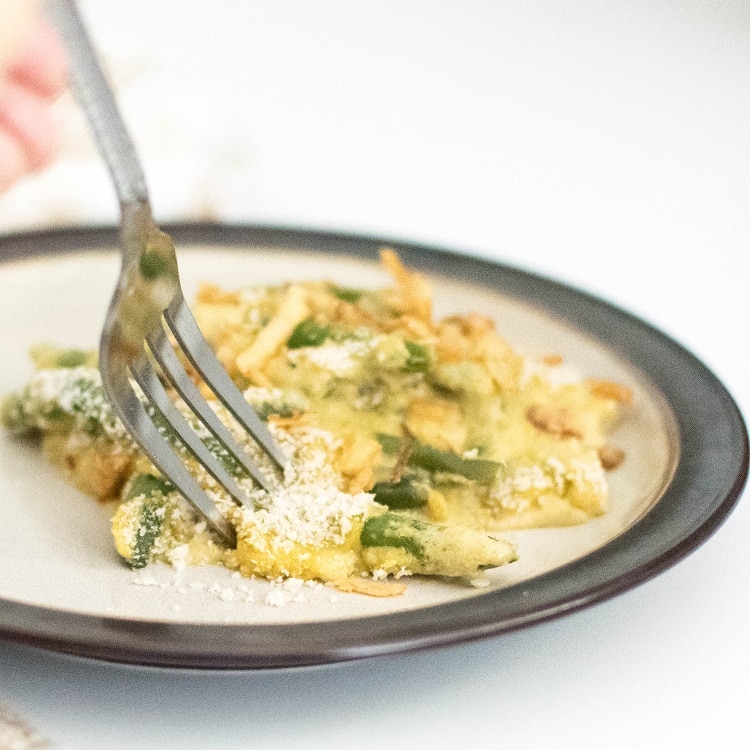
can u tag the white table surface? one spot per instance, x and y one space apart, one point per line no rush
605 144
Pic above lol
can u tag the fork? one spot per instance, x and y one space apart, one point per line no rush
148 309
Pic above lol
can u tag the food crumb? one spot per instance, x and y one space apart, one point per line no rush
480 583
145 581
293 584
276 598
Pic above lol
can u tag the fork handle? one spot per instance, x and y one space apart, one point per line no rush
97 100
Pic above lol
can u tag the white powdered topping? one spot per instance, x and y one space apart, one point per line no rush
255 395
277 399
145 581
479 583
236 594
587 474
178 556
286 590
530 477
76 392
307 508
276 598
337 358
517 491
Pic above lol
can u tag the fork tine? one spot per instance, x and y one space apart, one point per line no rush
164 354
154 391
146 434
182 324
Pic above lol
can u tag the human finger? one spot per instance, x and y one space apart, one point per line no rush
26 117
40 62
12 161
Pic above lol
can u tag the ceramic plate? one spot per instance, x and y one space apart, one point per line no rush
63 588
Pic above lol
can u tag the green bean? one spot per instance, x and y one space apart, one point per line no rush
145 498
407 493
435 460
393 530
147 485
149 528
13 415
308 333
49 356
419 359
430 549
346 294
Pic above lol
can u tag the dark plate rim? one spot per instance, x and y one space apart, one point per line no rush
708 480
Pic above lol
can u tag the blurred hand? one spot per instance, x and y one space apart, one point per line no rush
32 75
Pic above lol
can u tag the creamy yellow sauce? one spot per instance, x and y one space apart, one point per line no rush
412 440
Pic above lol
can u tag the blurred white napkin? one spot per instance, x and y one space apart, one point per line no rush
16 734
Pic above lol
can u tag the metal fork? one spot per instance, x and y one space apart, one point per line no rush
148 305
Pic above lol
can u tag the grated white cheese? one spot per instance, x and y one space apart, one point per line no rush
518 491
179 556
78 393
340 359
145 581
276 398
278 593
479 583
307 508
276 598
587 475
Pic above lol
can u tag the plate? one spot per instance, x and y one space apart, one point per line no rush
63 588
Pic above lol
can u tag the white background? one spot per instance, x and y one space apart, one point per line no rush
606 144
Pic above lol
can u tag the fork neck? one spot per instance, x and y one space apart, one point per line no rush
136 225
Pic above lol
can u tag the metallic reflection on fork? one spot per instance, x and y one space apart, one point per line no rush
148 309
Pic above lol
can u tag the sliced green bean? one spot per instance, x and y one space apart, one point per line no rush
393 530
407 493
140 519
419 359
393 542
308 333
435 460
49 356
147 485
346 294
